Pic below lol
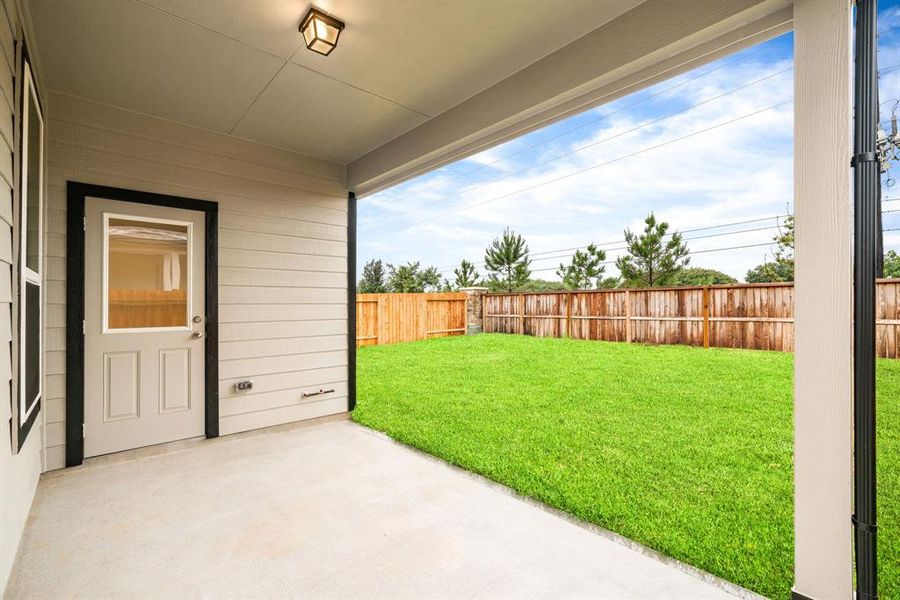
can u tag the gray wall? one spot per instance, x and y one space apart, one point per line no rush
282 255
19 472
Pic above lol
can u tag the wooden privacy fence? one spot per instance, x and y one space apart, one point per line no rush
392 318
751 316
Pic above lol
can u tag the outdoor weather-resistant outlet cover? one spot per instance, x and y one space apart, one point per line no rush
244 385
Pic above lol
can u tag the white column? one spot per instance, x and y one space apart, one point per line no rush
822 361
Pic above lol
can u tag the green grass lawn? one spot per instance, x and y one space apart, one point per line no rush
685 450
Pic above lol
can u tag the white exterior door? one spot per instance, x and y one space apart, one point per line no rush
144 325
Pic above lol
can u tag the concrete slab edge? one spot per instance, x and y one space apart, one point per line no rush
146 452
723 584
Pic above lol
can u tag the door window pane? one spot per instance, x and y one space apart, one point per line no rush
147 274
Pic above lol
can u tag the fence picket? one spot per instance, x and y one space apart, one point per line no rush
749 316
392 318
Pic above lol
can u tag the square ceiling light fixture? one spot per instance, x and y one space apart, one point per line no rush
320 31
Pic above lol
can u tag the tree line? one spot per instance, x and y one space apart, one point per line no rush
653 258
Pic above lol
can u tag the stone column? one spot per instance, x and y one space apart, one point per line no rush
474 318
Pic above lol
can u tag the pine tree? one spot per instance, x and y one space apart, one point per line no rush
507 261
466 275
586 269
651 260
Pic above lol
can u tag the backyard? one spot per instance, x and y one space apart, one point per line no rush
685 450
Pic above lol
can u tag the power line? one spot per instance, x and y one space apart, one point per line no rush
567 251
737 59
615 112
705 228
697 237
610 262
645 124
642 125
603 164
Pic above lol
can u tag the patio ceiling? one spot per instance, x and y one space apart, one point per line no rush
240 67
412 85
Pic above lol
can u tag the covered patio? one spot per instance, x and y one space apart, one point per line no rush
332 510
226 155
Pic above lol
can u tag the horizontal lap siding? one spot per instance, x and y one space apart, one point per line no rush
19 472
282 255
12 497
7 144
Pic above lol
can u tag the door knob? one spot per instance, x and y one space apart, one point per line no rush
197 335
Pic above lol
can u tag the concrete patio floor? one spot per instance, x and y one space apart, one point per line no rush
329 511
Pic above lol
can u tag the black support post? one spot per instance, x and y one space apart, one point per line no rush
866 181
351 301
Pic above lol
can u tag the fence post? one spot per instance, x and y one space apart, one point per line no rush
706 316
627 315
569 314
522 314
474 309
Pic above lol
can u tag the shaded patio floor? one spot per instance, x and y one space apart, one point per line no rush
329 511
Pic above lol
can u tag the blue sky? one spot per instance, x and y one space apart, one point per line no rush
712 146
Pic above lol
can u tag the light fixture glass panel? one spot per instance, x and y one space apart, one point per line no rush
321 46
321 28
309 33
331 35
320 31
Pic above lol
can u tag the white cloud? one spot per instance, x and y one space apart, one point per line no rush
736 172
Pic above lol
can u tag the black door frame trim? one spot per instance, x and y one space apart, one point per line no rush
76 194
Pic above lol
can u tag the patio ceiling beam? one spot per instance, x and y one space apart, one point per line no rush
656 40
823 300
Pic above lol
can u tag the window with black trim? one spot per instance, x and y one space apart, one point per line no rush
30 255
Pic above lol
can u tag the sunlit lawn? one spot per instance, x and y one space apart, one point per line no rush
685 450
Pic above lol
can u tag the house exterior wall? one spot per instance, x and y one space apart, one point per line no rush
282 255
19 471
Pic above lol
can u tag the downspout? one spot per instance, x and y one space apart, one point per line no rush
866 180
351 301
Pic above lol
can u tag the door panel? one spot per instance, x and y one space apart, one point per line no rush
144 325
174 380
121 384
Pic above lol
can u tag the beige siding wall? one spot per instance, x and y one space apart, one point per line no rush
282 255
18 472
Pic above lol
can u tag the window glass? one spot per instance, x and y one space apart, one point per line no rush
33 189
147 273
31 152
32 340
